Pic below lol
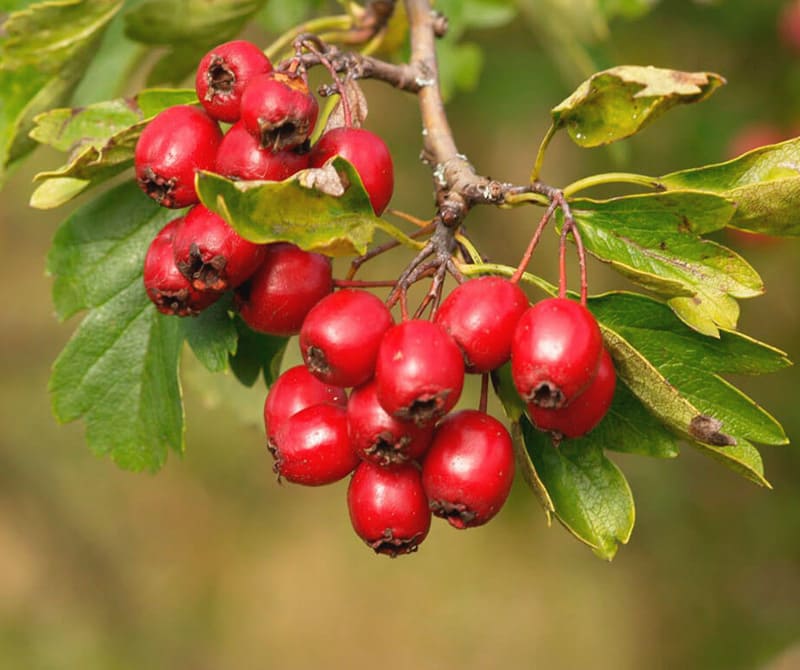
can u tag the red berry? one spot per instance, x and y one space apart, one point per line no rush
419 372
469 468
223 74
293 391
241 157
586 411
369 155
789 25
311 447
279 110
341 334
172 147
480 316
555 352
211 254
287 284
379 438
388 508
165 285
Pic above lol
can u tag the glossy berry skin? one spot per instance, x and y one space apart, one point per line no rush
419 372
388 508
241 157
341 334
480 315
378 437
586 411
279 110
469 468
223 75
312 448
176 144
369 155
293 391
555 352
165 285
284 288
211 254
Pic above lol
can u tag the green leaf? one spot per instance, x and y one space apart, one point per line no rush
654 240
591 497
617 103
294 211
257 354
764 184
278 16
212 335
629 9
460 67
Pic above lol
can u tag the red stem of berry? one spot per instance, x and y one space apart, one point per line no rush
484 400
526 257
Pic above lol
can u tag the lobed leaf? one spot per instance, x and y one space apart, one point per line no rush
257 354
212 335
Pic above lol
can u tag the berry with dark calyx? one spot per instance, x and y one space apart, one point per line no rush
369 155
293 391
469 468
555 352
240 156
419 372
388 508
279 110
586 411
284 288
165 285
480 316
211 254
176 144
223 74
311 447
379 438
341 334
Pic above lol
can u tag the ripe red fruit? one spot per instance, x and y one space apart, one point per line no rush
293 391
341 334
369 155
165 285
223 74
789 25
586 411
241 157
419 372
555 352
480 315
284 288
172 147
279 110
388 508
211 254
469 468
311 447
379 438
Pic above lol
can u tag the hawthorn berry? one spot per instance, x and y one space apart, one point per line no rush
172 147
284 288
311 447
378 437
240 156
293 391
369 155
555 352
223 74
419 372
171 292
388 508
480 315
341 334
586 411
279 110
469 468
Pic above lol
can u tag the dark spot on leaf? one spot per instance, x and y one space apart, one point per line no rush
707 429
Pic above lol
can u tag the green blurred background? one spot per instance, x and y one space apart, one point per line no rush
212 564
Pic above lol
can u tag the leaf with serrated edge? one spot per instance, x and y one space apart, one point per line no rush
212 335
764 184
289 211
617 103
